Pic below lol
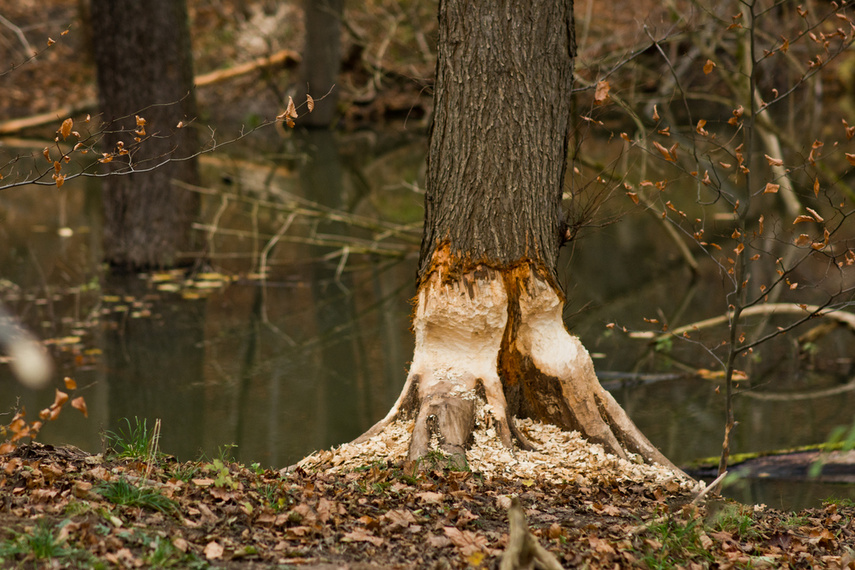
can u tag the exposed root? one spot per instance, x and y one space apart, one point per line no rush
558 380
498 339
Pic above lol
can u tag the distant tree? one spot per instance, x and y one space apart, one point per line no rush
488 319
145 81
322 57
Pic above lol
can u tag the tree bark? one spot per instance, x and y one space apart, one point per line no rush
144 67
488 320
322 59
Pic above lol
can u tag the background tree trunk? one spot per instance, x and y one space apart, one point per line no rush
488 320
322 59
144 65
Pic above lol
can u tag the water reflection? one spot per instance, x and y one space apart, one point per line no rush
309 345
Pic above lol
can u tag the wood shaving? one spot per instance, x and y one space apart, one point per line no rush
561 456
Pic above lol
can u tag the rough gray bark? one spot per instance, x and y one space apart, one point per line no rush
144 67
499 139
322 59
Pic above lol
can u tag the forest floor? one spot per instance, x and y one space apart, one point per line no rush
362 507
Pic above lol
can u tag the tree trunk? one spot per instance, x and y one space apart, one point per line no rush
488 319
144 63
322 59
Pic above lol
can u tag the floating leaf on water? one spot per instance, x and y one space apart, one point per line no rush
161 277
212 277
208 284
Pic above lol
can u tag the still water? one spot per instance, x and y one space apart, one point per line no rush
293 338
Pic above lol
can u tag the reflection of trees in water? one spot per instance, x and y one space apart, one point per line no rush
154 365
316 355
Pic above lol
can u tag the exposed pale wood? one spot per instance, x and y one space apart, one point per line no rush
469 353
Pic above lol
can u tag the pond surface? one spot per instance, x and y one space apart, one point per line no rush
296 336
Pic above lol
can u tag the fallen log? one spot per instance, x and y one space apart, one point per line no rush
283 57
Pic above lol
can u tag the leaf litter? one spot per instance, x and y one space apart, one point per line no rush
364 506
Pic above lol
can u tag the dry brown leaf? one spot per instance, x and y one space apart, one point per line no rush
802 240
467 541
70 384
709 66
430 497
310 103
66 127
664 152
803 218
326 509
601 95
771 188
360 535
398 519
213 550
79 404
774 161
815 214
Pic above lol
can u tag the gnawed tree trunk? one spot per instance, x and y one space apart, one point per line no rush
488 320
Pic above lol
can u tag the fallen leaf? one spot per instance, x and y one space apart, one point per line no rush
398 519
326 509
467 541
360 535
430 497
213 550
